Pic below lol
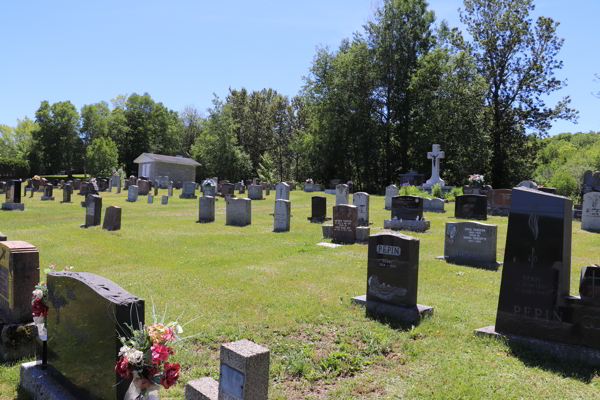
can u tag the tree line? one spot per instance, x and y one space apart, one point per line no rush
368 111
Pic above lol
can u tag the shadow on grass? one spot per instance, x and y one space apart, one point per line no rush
394 323
486 267
22 394
567 369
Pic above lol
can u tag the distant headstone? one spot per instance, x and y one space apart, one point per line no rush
238 211
48 192
528 184
470 243
255 192
590 213
76 184
13 196
591 182
433 205
164 199
102 184
345 222
19 273
500 200
210 189
188 191
308 187
207 209
282 191
143 187
390 192
67 193
318 209
361 201
90 311
83 188
412 178
163 182
471 206
132 193
177 185
93 213
282 215
155 190
407 207
317 187
170 189
227 189
242 189
341 194
112 218
150 199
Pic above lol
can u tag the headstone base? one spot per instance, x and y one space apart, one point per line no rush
318 220
413 315
327 231
202 389
499 212
13 206
205 220
17 341
40 385
491 266
561 351
332 245
44 198
406 225
66 202
188 196
330 191
362 234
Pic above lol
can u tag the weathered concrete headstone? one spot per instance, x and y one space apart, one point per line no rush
255 192
170 189
341 194
207 209
282 215
132 193
471 206
48 189
390 192
590 212
163 182
164 199
86 312
188 191
361 201
433 205
392 278
472 243
435 155
345 222
282 191
150 199
112 218
209 188
238 211
93 212
19 273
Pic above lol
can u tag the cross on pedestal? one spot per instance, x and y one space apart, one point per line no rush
434 155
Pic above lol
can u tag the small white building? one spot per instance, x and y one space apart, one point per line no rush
176 168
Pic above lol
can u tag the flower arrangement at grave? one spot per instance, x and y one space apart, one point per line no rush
39 303
36 178
309 180
208 182
475 180
349 183
144 357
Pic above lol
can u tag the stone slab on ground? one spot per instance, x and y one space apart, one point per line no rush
406 225
13 206
40 385
202 389
413 315
563 352
332 245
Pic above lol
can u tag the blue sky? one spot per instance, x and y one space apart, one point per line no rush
180 52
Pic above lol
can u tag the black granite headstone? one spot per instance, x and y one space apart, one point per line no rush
85 313
67 193
16 190
393 269
589 283
93 212
471 206
544 189
407 207
319 208
534 293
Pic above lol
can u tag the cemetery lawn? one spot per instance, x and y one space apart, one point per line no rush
284 292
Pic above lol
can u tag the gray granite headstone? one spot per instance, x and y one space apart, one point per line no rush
361 201
170 189
470 243
206 209
390 192
341 194
590 212
188 191
433 205
132 193
164 199
93 211
238 211
255 192
407 207
282 191
112 218
282 215
19 273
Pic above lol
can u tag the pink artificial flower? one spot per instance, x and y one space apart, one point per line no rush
160 353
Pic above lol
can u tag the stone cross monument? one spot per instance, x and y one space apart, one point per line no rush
435 155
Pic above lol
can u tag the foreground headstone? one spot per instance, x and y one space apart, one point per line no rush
255 192
67 193
318 209
345 222
341 194
132 193
188 191
392 278
471 206
471 243
238 211
244 375
590 212
93 213
19 273
361 201
86 314
207 209
282 215
112 218
48 189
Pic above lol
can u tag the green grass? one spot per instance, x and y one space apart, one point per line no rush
284 292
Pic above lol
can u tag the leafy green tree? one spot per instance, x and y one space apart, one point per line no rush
192 124
94 124
102 157
518 61
266 169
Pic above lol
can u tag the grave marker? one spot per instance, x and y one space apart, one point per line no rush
318 209
132 193
238 211
471 243
13 196
207 209
282 215
48 192
361 201
67 193
19 273
345 222
255 192
93 213
390 192
112 218
164 199
188 191
590 212
471 206
341 194
282 191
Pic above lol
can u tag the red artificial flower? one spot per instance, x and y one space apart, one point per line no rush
171 375
122 368
160 352
153 370
38 309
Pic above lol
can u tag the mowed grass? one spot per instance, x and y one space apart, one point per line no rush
284 292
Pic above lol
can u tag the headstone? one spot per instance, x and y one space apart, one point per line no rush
471 206
333 183
62 184
412 178
390 192
76 184
170 189
86 314
155 190
407 207
48 192
126 184
112 218
207 209
242 189
317 187
177 185
318 209
238 211
477 189
119 185
282 215
132 180
102 184
188 191
341 194
227 189
433 205
143 187
93 213
150 199
590 213
3 187
589 282
115 180
210 189
361 201
237 186
345 221
255 192
13 196
83 188
282 191
471 243
91 188
308 187
435 155
163 182
110 185
528 184
19 273
132 193
35 184
164 199
591 182
500 200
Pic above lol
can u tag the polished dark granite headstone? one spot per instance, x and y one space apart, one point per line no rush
589 282
227 189
93 212
16 183
393 269
534 293
48 191
19 273
407 207
550 190
471 206
112 218
85 313
345 222
318 209
67 193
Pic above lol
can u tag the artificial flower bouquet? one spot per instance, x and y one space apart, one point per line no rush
39 304
309 180
144 357
475 179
